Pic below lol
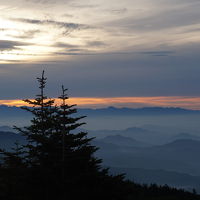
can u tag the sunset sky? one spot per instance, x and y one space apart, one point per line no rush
129 53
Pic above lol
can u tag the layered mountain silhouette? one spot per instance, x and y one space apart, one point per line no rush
161 177
180 156
123 141
176 163
137 111
7 139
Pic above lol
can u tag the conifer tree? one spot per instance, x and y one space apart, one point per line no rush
58 156
39 146
39 131
78 164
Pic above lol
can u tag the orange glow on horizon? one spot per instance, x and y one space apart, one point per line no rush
134 102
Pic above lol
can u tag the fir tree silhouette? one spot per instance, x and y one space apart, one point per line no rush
60 161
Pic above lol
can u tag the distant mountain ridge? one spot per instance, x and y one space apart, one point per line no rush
106 117
180 155
185 136
123 141
114 110
161 177
7 139
138 111
136 133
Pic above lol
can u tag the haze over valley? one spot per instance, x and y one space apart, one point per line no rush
143 143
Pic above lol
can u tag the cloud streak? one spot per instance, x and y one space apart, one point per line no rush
58 24
134 102
8 45
158 53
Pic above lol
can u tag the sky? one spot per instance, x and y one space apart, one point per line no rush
124 53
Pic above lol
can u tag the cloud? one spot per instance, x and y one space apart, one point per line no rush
45 1
24 54
27 34
65 45
65 28
158 53
88 44
3 29
173 16
119 11
72 52
59 24
10 61
8 45
71 49
77 50
85 5
67 15
98 102
87 52
141 48
41 1
113 75
96 44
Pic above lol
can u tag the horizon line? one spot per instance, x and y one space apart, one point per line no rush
186 102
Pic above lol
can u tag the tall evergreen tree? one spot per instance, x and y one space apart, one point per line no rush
78 164
39 131
38 149
60 160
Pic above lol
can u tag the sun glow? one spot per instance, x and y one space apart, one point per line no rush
134 102
20 42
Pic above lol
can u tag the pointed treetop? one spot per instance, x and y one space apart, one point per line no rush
42 80
64 94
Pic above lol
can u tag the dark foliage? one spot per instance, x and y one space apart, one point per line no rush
59 163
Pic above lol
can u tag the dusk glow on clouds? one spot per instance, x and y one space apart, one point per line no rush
133 102
100 48
33 31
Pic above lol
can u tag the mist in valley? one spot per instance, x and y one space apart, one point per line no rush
144 144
